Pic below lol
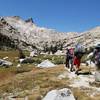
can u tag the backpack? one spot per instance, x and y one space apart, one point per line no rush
79 48
70 53
79 51
97 59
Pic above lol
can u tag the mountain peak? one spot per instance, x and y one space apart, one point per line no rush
29 20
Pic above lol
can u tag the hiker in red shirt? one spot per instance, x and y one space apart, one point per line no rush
77 61
77 57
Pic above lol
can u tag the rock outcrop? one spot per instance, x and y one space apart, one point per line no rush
63 94
5 63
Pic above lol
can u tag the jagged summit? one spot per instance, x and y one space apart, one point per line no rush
26 33
30 20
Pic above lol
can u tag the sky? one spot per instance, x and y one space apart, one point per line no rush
61 15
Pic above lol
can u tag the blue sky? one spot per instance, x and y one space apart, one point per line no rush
61 15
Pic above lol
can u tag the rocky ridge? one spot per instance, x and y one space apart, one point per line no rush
25 34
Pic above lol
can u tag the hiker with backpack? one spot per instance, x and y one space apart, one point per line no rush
78 53
96 56
69 58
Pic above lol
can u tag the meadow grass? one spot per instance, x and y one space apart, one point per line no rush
28 80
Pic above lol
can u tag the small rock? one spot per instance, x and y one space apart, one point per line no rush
97 76
5 58
46 64
19 65
26 60
5 63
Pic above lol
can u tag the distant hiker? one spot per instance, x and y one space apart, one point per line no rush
78 53
69 58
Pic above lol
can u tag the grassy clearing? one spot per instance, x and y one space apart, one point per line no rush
35 82
40 80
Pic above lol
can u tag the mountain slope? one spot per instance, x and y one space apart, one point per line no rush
27 35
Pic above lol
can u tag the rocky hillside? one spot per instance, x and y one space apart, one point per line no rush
25 34
90 38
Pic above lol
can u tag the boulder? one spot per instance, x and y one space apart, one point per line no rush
97 76
63 94
59 52
26 60
33 54
46 64
5 63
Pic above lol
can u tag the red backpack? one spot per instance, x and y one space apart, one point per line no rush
71 51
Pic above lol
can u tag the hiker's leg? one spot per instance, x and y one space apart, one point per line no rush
77 66
67 63
71 68
76 69
75 63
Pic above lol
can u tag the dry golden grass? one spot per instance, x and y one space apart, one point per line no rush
40 81
44 79
36 82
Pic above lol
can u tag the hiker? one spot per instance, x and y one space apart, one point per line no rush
78 53
96 56
69 58
77 61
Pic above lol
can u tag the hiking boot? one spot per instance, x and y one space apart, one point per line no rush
79 69
66 66
71 69
77 72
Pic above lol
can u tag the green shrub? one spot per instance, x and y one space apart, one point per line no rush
58 60
53 58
